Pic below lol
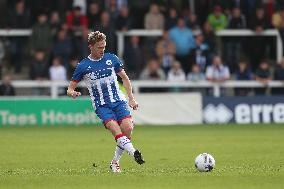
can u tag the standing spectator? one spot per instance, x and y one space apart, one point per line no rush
6 88
199 55
57 72
153 71
55 22
108 28
243 73
63 46
233 44
176 72
18 18
183 38
123 21
133 57
278 22
279 76
81 48
112 10
172 18
154 19
217 19
41 37
196 74
165 50
76 20
263 75
210 39
94 15
258 46
192 22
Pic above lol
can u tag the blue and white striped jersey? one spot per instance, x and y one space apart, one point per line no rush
100 78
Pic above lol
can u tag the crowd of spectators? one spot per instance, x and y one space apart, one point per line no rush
187 50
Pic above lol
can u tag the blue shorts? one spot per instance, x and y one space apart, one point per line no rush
116 111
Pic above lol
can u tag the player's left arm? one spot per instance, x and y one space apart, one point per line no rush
127 85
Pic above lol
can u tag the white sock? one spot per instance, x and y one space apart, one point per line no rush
117 154
126 144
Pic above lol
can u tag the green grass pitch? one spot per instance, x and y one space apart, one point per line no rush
247 157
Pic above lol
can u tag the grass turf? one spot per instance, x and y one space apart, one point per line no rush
247 156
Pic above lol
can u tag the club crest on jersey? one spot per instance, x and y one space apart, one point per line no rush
108 62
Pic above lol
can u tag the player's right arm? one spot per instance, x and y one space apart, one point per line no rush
71 90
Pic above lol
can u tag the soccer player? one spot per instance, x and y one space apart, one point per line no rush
99 71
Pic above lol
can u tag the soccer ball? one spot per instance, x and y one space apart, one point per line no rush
204 162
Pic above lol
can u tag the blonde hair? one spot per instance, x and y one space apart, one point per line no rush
95 36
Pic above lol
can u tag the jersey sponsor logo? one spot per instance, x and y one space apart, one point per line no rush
108 62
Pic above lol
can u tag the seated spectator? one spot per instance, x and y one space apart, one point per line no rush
172 18
263 75
279 76
165 50
154 19
183 38
72 66
81 48
76 20
153 71
195 74
210 39
217 72
278 22
112 10
243 73
6 88
217 19
192 22
133 57
55 22
124 21
199 55
176 72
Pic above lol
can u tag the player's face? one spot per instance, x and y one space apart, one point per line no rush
98 49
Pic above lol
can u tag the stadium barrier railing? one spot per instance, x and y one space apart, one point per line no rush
54 86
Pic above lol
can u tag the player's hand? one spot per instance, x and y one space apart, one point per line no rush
75 94
133 104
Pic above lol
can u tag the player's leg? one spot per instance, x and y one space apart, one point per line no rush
126 126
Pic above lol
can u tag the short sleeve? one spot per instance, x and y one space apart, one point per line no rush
118 65
78 73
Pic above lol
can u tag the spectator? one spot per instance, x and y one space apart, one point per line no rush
217 72
192 22
6 88
199 54
195 74
153 71
41 37
39 67
72 66
172 18
154 19
243 73
165 50
133 57
176 72
94 15
258 45
63 46
113 11
18 18
183 38
76 20
57 72
55 22
278 22
108 28
233 44
123 21
210 39
81 48
279 76
263 75
217 19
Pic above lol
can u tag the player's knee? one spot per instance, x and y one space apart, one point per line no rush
128 129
